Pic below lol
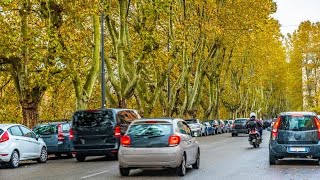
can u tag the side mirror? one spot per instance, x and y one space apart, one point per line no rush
37 137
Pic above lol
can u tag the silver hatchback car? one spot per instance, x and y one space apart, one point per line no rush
158 143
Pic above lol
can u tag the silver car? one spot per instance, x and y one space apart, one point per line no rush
158 143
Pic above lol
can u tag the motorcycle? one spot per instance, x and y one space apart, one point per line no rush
254 137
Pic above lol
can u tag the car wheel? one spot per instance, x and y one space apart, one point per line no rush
232 135
43 156
14 160
196 165
80 158
181 170
70 155
124 171
272 159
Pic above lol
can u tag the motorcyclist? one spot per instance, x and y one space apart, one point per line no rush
257 124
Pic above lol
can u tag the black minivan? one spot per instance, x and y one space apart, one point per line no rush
97 132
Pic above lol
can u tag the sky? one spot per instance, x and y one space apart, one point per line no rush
291 13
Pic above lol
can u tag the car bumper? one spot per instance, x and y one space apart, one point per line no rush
167 157
243 131
95 151
281 150
5 152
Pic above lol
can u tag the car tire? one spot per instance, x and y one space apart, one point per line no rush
43 156
80 158
181 170
272 159
196 165
232 134
14 160
124 171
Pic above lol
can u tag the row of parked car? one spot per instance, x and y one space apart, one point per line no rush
210 127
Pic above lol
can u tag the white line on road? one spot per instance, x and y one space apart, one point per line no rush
84 177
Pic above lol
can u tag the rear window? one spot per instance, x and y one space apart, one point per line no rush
150 135
297 123
47 129
92 118
240 121
191 121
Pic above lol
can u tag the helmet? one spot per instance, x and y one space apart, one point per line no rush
252 114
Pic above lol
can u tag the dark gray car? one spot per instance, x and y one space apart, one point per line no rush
295 134
239 126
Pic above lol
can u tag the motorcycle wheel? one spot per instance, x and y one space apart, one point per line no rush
254 145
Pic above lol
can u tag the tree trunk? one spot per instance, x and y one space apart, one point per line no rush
30 113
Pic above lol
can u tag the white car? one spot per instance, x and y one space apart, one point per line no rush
18 143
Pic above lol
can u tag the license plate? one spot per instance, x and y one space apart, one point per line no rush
297 149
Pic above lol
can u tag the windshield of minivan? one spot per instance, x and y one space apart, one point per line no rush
46 129
92 118
297 123
150 135
191 121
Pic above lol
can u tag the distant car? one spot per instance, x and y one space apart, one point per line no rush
57 136
239 126
98 132
195 126
222 125
215 124
208 129
227 126
158 143
267 123
18 143
295 135
273 121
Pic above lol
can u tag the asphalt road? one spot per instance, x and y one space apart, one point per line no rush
222 157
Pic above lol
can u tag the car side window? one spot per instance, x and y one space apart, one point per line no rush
15 131
181 128
27 133
186 128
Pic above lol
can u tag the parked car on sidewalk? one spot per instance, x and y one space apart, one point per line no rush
227 126
195 126
57 136
295 135
208 130
222 125
98 132
18 143
239 126
158 143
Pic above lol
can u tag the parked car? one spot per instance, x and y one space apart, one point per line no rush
195 126
57 136
97 132
239 126
273 121
223 127
227 126
295 135
208 129
215 124
18 143
158 143
267 123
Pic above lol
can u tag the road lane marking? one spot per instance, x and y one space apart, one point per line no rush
102 172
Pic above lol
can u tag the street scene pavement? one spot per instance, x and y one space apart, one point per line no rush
222 157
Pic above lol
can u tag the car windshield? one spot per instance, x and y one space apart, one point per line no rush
45 129
92 118
297 123
191 121
240 121
150 135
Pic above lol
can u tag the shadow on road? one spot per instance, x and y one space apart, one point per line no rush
158 173
300 162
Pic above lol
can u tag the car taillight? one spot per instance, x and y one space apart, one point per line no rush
4 137
125 141
174 140
60 135
233 126
117 131
71 136
318 125
275 129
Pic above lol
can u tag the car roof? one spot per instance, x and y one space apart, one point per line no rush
155 119
7 125
298 113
